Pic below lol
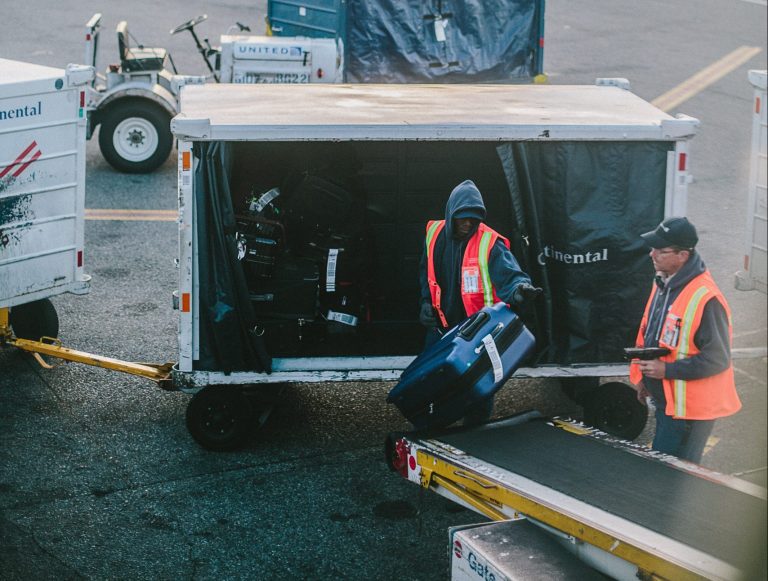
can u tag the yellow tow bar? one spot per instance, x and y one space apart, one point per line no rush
159 373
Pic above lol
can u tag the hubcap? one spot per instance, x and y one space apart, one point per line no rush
135 139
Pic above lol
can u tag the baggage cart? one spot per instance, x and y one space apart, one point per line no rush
413 41
570 174
42 192
755 273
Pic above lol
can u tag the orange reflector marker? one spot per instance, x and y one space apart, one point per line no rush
681 165
186 160
185 302
757 105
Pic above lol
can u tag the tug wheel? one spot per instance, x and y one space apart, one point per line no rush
135 136
219 418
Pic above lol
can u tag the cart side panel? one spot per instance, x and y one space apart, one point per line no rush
755 275
42 185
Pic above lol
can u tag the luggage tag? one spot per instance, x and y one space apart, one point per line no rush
258 205
493 354
470 279
343 318
670 334
330 270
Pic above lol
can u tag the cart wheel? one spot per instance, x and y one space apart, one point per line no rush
34 320
135 136
613 408
219 418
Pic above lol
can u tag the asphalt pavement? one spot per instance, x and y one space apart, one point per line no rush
99 477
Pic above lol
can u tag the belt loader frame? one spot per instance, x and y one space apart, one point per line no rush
623 549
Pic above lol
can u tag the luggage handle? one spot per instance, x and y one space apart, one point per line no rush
495 333
471 326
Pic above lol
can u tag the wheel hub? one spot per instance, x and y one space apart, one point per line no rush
135 138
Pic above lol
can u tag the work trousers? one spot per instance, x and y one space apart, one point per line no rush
685 439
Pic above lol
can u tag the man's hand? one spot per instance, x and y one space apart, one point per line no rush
654 368
642 393
525 292
427 315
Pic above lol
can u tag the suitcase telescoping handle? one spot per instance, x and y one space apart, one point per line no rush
471 326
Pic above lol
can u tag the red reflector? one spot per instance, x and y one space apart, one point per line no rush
79 258
746 262
82 98
88 36
681 163
541 42
412 462
319 73
185 302
757 105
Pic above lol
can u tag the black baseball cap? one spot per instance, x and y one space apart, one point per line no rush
675 231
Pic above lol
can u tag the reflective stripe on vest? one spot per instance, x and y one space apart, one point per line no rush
433 230
686 343
482 262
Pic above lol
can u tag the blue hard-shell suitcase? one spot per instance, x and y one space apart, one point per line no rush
469 363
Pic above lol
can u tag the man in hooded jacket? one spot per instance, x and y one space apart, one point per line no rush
453 283
687 314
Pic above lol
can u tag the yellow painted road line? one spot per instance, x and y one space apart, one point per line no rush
705 77
132 215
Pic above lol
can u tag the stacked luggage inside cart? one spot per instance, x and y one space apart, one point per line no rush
303 251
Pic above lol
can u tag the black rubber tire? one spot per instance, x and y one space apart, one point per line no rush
579 389
142 113
219 418
614 409
34 320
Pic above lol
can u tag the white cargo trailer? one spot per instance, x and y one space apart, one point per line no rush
42 191
755 273
570 174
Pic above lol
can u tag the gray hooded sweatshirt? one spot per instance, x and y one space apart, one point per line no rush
466 201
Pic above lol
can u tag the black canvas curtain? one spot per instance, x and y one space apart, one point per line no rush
580 208
228 341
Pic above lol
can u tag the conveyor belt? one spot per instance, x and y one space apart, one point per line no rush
706 515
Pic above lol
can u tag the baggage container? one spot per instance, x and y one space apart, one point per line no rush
571 175
755 273
42 183
417 41
468 364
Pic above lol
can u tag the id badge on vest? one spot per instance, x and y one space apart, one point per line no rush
670 333
470 279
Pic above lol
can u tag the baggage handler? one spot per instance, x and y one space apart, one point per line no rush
466 266
686 313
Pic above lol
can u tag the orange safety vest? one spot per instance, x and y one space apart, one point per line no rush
476 288
692 399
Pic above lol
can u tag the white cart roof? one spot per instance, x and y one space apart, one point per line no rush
416 112
18 78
